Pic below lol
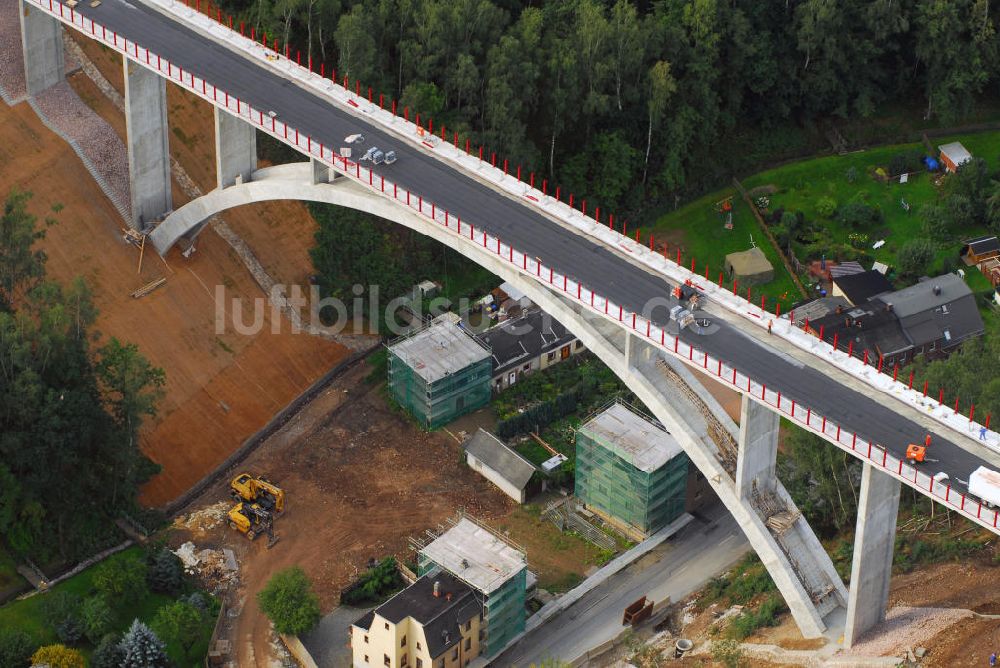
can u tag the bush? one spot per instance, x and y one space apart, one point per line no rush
16 647
166 573
375 585
857 215
58 656
58 606
289 601
123 580
825 206
108 653
915 256
141 648
96 618
180 623
728 653
69 630
907 161
749 620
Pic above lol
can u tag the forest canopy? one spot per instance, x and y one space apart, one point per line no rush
634 102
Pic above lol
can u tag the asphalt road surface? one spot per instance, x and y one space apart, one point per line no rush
675 569
579 257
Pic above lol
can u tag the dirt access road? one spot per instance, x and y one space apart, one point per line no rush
360 479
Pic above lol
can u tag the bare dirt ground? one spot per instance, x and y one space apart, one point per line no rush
220 388
359 481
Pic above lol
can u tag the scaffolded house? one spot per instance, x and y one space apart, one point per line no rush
439 372
630 471
495 569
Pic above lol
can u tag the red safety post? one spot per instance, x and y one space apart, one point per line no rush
369 92
910 384
531 179
558 193
505 166
748 293
468 146
519 172
298 56
866 357
322 70
430 126
571 200
777 309
493 158
583 207
418 120
940 395
972 413
381 101
357 87
850 348
406 113
456 140
926 383
692 271
956 405
253 34
821 328
763 298
597 213
720 279
393 107
678 255
895 372
987 423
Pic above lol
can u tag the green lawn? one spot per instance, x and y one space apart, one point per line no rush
801 185
700 230
27 614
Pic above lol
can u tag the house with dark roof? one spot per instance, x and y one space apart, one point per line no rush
935 315
433 623
531 342
860 287
499 464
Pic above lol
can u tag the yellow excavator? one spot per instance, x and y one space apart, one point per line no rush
257 490
251 520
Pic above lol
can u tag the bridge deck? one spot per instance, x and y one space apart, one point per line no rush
873 417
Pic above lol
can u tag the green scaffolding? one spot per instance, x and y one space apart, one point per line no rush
504 612
436 404
607 481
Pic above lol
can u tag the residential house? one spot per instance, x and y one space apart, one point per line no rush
529 343
433 623
980 249
860 287
935 315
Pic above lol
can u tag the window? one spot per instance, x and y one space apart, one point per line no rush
526 367
403 661
579 344
420 664
418 646
385 659
387 626
366 640
468 625
454 654
468 644
551 356
366 658
402 643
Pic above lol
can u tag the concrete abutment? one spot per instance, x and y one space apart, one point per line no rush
148 144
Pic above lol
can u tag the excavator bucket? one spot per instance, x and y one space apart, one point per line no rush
272 539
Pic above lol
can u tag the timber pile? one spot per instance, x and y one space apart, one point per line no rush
149 287
782 521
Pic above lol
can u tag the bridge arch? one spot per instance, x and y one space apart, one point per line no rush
630 358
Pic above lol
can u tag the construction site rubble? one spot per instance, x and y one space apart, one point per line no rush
905 628
216 568
205 519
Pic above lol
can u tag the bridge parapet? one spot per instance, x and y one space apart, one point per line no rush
466 234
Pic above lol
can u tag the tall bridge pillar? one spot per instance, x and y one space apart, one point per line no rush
235 149
148 144
758 448
874 541
42 48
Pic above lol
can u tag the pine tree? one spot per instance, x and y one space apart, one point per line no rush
142 649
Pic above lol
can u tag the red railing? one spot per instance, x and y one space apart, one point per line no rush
466 232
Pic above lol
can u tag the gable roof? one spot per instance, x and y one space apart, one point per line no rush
488 449
955 152
981 245
515 341
860 287
870 326
441 616
942 307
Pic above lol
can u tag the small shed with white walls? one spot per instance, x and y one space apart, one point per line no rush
499 464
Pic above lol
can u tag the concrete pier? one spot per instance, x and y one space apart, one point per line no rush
42 48
758 451
321 173
874 541
235 149
148 144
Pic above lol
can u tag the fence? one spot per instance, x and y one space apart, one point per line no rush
525 264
